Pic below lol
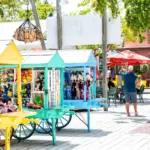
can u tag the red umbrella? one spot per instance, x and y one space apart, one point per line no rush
128 57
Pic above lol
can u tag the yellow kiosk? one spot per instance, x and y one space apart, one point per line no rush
11 58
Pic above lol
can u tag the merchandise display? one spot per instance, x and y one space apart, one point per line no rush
26 75
74 85
6 84
7 107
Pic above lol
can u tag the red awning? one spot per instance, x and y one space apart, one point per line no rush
127 57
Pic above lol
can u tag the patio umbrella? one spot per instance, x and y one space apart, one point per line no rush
127 57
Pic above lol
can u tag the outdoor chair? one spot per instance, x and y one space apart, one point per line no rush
140 94
122 96
99 92
112 95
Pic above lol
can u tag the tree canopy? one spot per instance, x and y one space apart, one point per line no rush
15 10
137 13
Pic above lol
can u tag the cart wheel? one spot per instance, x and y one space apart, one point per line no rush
2 136
24 131
63 121
43 127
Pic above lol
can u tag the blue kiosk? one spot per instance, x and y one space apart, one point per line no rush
80 84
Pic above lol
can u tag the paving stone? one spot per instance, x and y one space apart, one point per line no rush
111 130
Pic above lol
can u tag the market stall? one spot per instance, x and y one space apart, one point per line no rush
80 79
9 116
80 84
41 75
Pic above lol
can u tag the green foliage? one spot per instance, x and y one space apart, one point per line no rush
141 68
137 15
38 101
100 6
93 47
12 10
44 10
144 68
127 33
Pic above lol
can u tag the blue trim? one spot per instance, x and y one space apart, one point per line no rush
84 83
81 104
94 80
91 59
88 120
79 65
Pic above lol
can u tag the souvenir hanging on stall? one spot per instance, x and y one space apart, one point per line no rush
74 85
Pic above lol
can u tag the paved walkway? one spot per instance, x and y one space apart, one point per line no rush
111 130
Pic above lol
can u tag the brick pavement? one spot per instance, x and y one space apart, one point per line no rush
111 130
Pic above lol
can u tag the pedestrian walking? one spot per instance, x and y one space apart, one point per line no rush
130 88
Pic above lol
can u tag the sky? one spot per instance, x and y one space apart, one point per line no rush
67 8
72 6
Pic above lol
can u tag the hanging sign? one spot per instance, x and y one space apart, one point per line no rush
83 30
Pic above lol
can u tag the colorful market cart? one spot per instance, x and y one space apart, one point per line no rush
6 130
47 72
81 70
78 63
11 58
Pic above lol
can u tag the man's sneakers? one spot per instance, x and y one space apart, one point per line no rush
136 114
128 114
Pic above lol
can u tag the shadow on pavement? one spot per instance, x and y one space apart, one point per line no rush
83 133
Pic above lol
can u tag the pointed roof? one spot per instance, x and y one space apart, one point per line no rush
78 58
39 59
56 61
11 55
73 58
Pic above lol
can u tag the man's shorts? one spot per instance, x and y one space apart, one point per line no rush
131 97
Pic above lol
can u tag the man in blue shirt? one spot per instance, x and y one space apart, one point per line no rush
130 88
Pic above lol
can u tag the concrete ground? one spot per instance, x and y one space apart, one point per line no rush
111 130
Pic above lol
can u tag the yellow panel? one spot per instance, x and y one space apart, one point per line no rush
19 87
11 55
22 114
13 122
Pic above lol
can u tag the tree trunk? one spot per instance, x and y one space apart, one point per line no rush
104 56
36 18
59 25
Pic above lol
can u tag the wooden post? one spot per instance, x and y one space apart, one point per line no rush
19 87
7 140
36 18
104 55
59 25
